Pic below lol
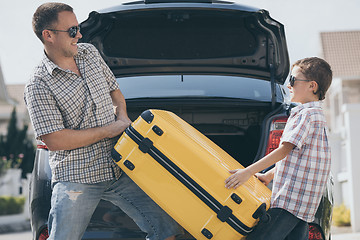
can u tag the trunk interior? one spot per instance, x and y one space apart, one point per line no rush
236 130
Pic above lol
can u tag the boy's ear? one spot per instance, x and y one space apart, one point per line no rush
314 87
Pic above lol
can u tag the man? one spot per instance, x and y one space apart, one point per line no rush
71 98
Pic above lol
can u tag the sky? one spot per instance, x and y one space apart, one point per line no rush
20 50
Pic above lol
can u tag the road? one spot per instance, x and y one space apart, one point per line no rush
17 236
27 236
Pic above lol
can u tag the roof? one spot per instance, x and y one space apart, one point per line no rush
342 51
16 93
4 98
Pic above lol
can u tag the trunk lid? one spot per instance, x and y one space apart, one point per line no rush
189 38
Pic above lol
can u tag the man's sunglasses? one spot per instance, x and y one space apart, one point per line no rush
72 31
293 79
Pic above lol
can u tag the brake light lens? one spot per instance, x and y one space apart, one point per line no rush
41 145
276 130
315 233
44 234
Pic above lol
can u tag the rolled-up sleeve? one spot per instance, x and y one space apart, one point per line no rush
44 113
297 130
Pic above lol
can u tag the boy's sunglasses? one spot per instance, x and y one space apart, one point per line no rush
293 79
72 31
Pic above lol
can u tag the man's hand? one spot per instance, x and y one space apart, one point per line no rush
238 177
68 139
116 128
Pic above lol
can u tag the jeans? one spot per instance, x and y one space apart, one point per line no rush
72 205
283 225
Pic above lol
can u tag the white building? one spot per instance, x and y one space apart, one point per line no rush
6 104
342 51
12 96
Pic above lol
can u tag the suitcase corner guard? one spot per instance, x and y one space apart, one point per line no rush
147 116
115 155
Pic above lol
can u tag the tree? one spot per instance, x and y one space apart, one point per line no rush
16 150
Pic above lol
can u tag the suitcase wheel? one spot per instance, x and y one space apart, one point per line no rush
262 214
265 218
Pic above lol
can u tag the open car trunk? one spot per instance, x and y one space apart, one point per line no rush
236 130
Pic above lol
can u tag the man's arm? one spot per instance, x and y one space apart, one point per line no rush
68 139
120 105
240 176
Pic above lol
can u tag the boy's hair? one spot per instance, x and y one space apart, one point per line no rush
318 70
46 15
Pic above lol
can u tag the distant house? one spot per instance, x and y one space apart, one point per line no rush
12 96
342 51
6 105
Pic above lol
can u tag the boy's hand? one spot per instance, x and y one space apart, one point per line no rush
238 177
263 178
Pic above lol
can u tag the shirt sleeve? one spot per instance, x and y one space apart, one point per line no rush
44 113
297 129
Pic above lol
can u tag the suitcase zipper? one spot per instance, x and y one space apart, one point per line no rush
224 213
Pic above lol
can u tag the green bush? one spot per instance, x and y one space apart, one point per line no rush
341 216
11 205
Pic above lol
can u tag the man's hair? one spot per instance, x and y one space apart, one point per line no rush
318 70
46 16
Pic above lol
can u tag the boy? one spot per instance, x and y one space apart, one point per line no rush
302 158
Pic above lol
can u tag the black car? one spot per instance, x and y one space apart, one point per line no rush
218 65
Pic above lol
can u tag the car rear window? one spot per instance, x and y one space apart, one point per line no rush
167 86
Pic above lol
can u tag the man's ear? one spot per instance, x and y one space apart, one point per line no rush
47 35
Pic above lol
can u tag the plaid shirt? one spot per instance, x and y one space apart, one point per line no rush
300 178
59 99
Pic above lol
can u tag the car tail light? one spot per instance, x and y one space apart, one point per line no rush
315 233
44 234
276 130
41 145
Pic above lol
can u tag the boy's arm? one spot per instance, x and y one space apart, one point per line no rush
266 178
240 176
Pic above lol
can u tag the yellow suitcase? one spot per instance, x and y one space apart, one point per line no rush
184 173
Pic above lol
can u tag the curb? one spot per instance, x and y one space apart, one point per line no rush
14 223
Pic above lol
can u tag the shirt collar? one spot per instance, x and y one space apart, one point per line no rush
51 66
315 104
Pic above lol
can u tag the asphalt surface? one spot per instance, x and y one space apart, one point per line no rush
21 231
